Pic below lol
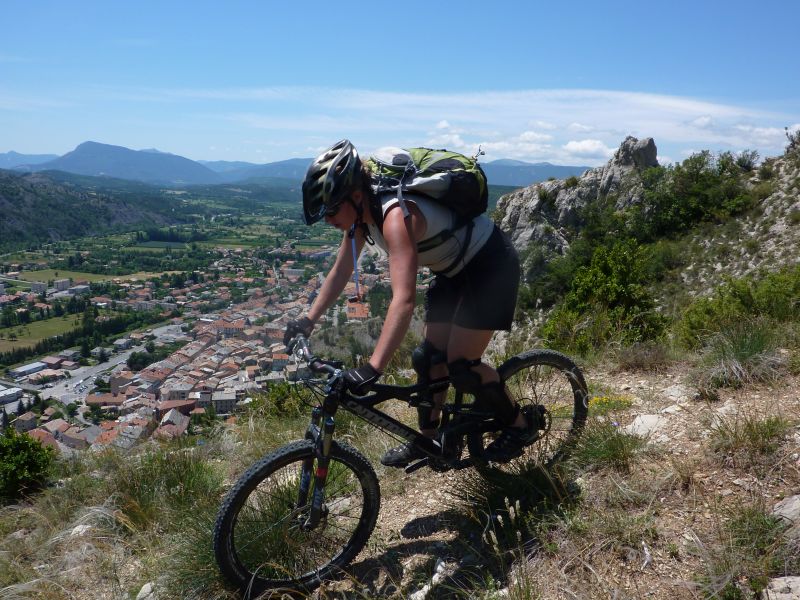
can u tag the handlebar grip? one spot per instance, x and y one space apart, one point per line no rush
301 350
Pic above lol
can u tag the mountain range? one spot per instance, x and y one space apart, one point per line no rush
161 168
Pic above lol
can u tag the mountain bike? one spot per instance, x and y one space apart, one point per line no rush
298 516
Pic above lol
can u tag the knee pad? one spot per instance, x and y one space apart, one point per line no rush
463 377
423 358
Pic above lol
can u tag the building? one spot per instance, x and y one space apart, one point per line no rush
122 344
45 438
25 422
26 370
9 394
224 401
72 354
79 290
38 287
61 285
52 362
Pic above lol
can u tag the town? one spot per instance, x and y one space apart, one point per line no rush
219 330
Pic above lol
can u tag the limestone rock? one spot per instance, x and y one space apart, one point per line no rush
783 588
788 510
147 592
542 215
646 425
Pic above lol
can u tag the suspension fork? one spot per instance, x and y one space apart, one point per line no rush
312 433
323 455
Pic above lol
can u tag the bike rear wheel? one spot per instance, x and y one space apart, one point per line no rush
548 380
259 540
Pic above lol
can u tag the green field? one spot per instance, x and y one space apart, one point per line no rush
29 335
51 274
162 245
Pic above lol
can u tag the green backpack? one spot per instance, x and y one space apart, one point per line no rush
449 178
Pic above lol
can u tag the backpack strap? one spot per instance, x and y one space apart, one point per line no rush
462 252
376 209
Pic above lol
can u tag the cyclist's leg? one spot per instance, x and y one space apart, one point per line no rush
439 303
438 336
464 351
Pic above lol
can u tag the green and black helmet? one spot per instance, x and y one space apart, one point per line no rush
330 180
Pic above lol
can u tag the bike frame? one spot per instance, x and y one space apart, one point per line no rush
322 426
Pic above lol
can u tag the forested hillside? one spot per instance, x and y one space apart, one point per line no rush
41 207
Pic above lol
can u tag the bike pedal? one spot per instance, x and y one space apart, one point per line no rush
417 465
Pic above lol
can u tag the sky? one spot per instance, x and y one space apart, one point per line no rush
267 81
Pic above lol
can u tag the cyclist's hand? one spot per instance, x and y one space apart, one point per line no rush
360 380
302 325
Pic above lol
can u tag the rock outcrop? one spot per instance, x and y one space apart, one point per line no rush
545 215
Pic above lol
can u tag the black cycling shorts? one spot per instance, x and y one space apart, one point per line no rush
483 295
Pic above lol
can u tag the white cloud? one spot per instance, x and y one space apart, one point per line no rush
579 128
568 125
761 136
588 149
532 136
703 122
546 125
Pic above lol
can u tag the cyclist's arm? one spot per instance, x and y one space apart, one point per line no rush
400 240
337 278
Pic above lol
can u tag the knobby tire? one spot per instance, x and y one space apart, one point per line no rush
258 540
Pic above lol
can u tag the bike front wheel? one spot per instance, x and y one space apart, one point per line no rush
261 541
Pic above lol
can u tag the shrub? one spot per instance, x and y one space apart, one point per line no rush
643 356
571 182
24 464
746 160
675 199
764 189
766 171
606 301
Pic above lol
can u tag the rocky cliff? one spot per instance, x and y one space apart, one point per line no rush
546 214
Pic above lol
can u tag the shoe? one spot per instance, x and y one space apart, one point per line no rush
511 441
401 456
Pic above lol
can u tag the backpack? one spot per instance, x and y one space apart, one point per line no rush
449 178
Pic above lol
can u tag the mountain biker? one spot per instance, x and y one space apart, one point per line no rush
472 295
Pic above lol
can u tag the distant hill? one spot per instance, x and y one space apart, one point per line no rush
42 207
520 174
225 166
293 168
161 168
95 159
9 160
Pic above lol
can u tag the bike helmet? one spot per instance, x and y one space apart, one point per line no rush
330 180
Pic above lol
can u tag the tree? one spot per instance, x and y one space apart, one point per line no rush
24 464
4 421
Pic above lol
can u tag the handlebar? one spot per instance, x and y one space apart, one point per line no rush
299 347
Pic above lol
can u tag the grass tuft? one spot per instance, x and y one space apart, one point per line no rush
603 445
744 352
749 434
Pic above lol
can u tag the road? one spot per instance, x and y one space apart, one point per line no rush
67 390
